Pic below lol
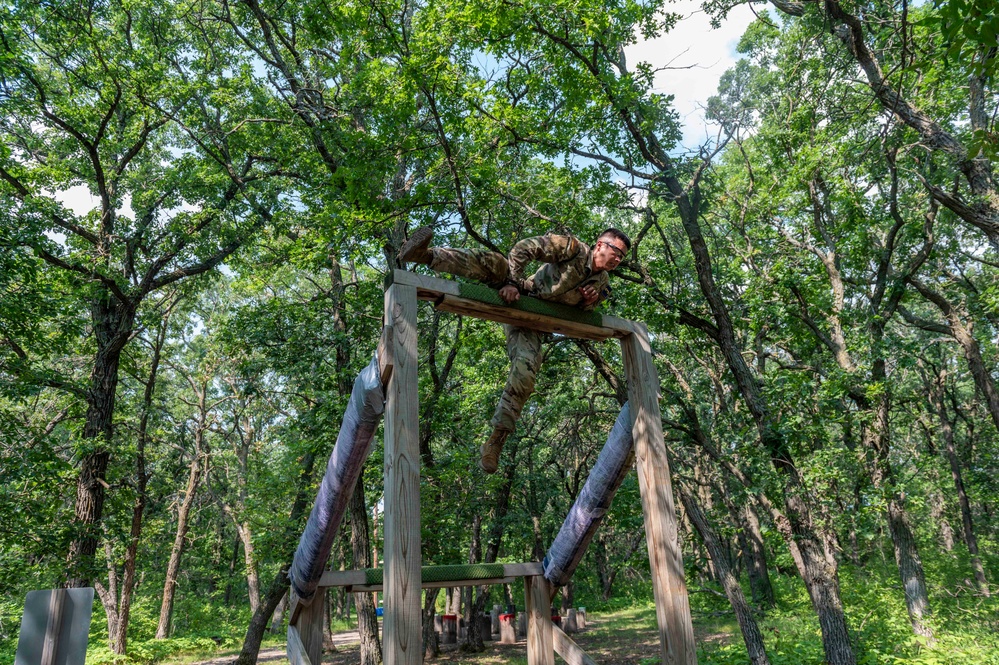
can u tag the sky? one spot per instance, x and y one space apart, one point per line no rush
696 54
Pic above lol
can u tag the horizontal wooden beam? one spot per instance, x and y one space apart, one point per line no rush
484 303
357 580
439 584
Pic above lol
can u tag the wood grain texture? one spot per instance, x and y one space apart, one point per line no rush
357 578
50 642
676 632
570 652
540 648
402 633
295 649
310 627
447 296
385 355
294 606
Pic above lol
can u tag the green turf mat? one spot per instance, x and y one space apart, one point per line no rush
472 571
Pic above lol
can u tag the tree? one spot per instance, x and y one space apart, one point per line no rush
97 97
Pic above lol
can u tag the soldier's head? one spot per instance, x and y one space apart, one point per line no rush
611 248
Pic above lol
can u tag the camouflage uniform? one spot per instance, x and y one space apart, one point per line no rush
567 265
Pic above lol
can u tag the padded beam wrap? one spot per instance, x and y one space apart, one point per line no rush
592 503
353 444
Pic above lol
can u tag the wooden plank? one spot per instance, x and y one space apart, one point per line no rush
442 584
50 643
403 635
676 632
540 648
570 652
310 627
523 569
342 578
448 297
427 287
295 649
357 578
480 310
294 606
385 355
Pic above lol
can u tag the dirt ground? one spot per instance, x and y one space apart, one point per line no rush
621 647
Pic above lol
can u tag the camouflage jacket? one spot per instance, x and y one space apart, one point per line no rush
568 264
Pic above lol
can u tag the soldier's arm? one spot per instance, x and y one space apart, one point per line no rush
546 249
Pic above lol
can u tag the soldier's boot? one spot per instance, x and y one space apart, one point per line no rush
490 451
417 248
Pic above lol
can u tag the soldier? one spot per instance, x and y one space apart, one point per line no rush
573 274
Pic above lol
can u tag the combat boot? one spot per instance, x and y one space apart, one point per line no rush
490 451
417 248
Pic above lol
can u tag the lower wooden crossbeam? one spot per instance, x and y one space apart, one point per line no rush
433 577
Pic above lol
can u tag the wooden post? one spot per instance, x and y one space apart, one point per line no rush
676 632
50 643
507 631
540 648
309 629
402 633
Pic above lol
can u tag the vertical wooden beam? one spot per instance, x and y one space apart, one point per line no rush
540 647
676 632
309 627
50 643
402 639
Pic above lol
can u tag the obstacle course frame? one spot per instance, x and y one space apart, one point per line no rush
404 576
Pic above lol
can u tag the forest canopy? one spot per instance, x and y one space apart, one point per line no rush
820 281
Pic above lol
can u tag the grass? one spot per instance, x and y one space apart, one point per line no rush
624 632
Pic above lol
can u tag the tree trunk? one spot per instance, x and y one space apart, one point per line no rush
969 345
173 567
431 646
472 641
278 617
258 622
119 611
756 559
113 322
751 634
962 496
236 542
820 578
497 530
252 577
329 646
279 585
910 567
939 515
367 621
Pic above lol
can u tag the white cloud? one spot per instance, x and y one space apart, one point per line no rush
78 199
698 55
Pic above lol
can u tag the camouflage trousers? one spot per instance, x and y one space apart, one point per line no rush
523 346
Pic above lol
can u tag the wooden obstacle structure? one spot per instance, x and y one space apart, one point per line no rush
404 576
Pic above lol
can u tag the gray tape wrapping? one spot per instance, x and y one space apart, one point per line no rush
353 444
609 471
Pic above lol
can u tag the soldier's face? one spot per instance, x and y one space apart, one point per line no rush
608 253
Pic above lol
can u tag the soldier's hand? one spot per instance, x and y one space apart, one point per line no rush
509 294
588 294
